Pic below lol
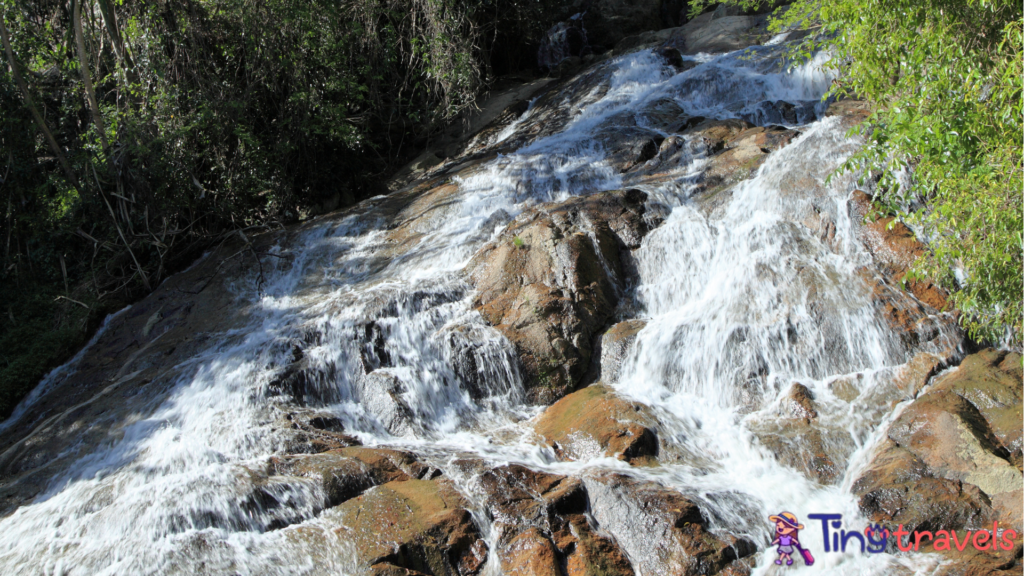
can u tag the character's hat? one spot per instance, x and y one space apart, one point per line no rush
789 519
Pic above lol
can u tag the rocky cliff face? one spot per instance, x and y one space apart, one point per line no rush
610 334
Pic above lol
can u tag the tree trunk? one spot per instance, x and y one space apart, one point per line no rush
83 65
31 105
116 42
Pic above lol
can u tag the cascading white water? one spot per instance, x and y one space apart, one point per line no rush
741 302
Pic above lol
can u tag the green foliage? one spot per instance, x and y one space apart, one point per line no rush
33 345
517 242
945 76
217 115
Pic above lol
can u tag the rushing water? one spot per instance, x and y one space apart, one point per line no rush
741 301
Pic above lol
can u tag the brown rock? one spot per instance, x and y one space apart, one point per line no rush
716 133
516 494
895 250
542 524
736 149
846 388
971 562
673 539
901 383
912 377
821 453
954 440
593 422
898 488
417 525
943 465
348 472
613 346
313 432
595 555
531 554
991 381
551 281
799 403
915 322
851 111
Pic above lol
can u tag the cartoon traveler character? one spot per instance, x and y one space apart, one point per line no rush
786 530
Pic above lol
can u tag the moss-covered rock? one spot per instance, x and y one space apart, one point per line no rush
596 422
417 525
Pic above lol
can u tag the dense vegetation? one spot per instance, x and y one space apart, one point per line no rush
945 76
134 135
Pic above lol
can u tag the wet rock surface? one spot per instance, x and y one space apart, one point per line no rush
413 525
596 422
614 345
659 528
551 280
895 249
943 466
348 472
798 438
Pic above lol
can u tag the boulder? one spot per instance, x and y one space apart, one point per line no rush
413 525
892 385
735 149
530 553
898 488
543 527
819 452
613 345
991 381
552 279
799 403
517 494
800 441
953 438
348 472
593 554
738 149
596 422
659 528
943 464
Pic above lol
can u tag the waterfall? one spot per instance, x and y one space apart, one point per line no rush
741 300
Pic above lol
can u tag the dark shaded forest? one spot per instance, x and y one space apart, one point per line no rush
136 135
